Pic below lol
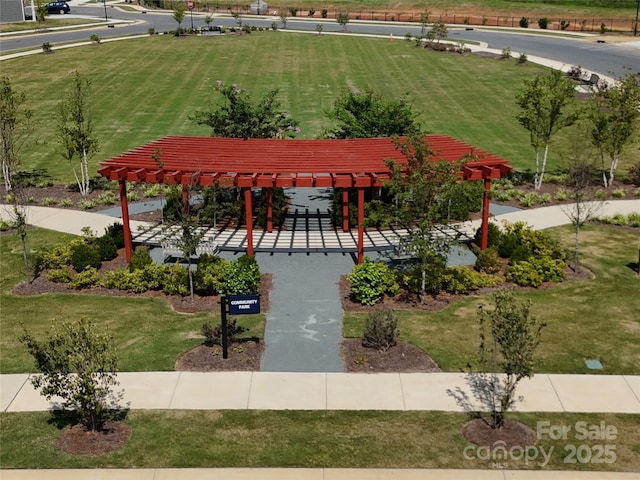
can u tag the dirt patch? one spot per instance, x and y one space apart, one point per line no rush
403 357
77 440
242 356
513 434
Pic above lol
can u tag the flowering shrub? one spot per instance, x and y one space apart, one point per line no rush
371 280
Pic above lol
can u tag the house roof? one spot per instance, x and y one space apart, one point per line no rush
284 162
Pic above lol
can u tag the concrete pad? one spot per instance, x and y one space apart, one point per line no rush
409 474
595 393
29 399
288 391
80 474
634 383
538 395
435 391
239 474
375 391
10 385
147 390
217 391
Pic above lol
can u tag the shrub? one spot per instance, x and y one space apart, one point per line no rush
151 190
49 202
603 29
83 256
213 335
494 237
601 194
140 259
488 261
522 58
95 38
619 193
529 199
524 274
116 231
323 13
564 24
209 276
87 204
106 248
46 47
636 193
86 278
543 23
59 275
524 22
242 277
561 195
151 31
370 281
176 281
381 330
633 174
634 219
66 203
107 198
506 52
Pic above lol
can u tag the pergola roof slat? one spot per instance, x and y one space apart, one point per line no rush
276 162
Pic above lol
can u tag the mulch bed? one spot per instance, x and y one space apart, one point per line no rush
78 440
512 433
403 357
242 357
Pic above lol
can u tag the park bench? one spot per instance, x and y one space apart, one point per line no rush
172 249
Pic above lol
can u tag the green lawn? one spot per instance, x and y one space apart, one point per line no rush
148 334
592 319
373 439
146 88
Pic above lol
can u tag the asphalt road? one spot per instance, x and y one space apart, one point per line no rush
604 58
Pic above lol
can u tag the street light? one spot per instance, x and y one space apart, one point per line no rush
106 19
635 25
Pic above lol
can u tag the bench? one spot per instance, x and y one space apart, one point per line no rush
171 248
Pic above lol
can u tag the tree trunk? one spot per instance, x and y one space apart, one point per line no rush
540 176
612 169
6 173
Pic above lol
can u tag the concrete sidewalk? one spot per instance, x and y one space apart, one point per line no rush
309 474
342 391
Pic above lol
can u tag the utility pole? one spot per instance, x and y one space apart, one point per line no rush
106 19
635 25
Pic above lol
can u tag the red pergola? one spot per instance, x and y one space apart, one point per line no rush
268 163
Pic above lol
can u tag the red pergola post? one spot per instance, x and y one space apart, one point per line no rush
269 210
249 219
360 225
484 242
345 209
124 208
185 199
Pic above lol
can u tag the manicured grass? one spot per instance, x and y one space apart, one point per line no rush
64 21
590 319
147 87
302 439
148 334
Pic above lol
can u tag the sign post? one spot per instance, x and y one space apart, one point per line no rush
238 305
190 6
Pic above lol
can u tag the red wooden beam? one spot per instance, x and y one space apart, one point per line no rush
249 219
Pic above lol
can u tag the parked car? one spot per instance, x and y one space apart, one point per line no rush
58 7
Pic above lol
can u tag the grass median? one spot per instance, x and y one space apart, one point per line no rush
315 439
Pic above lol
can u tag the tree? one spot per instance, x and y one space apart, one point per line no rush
615 117
239 117
438 31
509 337
14 129
545 103
583 204
319 28
179 11
343 19
366 114
424 21
78 364
415 187
76 130
283 18
41 11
